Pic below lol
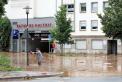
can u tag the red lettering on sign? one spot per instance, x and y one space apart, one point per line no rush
46 25
34 25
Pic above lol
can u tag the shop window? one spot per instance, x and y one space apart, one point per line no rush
97 44
81 44
67 46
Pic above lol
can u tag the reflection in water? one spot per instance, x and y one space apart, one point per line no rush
111 63
85 65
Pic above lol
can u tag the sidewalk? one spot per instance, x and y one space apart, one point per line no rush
26 75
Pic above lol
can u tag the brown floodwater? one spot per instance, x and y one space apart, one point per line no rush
78 65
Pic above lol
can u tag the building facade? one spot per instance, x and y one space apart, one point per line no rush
38 37
87 34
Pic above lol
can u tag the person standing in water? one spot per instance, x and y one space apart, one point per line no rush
39 56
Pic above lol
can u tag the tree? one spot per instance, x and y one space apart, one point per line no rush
112 19
5 32
61 32
5 26
2 9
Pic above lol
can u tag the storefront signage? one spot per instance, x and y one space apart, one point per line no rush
40 35
34 25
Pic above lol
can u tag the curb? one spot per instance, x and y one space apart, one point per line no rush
31 76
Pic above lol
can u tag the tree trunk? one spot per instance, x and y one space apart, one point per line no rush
61 56
61 47
121 46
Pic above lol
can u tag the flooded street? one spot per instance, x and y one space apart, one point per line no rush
72 66
76 68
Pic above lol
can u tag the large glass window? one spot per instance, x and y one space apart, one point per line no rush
97 44
94 7
67 46
83 7
82 25
81 44
94 24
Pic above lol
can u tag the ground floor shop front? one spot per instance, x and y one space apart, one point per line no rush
94 45
20 45
39 37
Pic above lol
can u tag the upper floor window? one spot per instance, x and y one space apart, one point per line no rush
94 24
105 5
94 7
70 7
83 25
83 7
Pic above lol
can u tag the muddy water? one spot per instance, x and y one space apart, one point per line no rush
83 65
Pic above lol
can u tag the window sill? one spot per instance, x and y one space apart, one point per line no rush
82 29
83 12
94 29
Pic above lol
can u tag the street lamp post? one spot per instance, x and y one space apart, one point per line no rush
27 8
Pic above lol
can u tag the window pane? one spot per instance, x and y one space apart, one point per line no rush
94 24
105 5
94 7
70 7
81 44
83 7
67 46
97 44
82 24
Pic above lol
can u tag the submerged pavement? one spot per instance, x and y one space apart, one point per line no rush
78 68
73 79
77 65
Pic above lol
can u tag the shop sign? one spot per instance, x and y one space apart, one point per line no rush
34 25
